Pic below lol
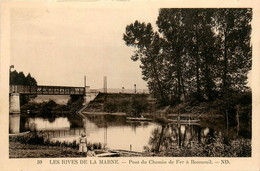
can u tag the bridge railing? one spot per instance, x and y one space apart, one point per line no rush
46 90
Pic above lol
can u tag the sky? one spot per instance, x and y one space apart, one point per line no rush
58 46
61 44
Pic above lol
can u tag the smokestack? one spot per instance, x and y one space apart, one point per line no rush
85 81
105 84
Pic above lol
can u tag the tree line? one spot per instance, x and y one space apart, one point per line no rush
200 53
20 79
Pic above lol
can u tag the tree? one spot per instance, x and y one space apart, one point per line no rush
171 26
46 109
29 80
20 79
201 47
234 30
190 35
201 51
148 42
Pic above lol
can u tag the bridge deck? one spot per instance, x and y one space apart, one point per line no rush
47 90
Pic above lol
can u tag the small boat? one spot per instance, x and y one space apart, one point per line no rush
107 154
138 118
185 121
21 133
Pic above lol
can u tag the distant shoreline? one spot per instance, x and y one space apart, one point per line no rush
104 113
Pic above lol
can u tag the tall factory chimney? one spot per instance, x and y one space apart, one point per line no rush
105 84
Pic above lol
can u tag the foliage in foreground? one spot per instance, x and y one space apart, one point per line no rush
236 148
39 138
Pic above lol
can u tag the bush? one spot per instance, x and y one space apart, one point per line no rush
139 105
124 105
46 108
40 138
216 148
32 106
110 106
31 138
75 103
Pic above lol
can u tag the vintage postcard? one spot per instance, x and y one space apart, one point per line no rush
129 85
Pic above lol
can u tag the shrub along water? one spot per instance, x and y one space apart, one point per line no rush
236 148
40 138
51 108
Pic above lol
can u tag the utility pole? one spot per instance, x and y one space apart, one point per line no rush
85 81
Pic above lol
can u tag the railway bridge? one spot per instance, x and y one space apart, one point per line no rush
16 90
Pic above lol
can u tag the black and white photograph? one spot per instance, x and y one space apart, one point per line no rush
155 82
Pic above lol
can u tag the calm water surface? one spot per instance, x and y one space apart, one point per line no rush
118 133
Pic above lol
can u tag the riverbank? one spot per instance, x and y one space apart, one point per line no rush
33 145
237 148
37 145
143 104
121 103
21 150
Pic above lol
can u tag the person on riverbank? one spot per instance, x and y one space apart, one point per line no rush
83 144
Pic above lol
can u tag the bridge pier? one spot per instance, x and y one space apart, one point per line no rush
87 97
14 110
14 103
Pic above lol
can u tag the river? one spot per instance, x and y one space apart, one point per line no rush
116 132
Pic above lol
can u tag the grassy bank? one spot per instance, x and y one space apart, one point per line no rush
143 103
241 103
41 138
118 102
21 150
237 148
36 144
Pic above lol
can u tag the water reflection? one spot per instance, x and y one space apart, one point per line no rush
14 123
113 131
181 135
116 132
44 124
